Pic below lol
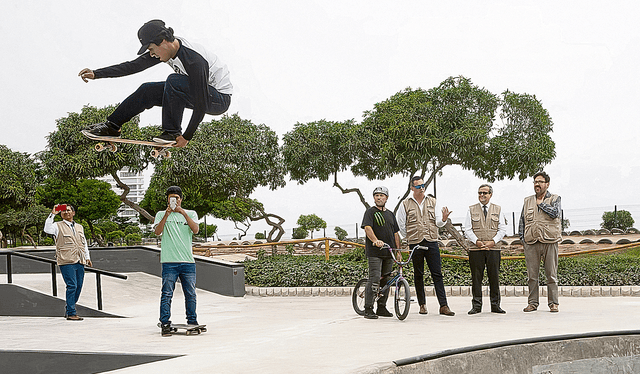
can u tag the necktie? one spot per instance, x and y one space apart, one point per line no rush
484 209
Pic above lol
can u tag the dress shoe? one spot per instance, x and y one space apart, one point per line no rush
530 308
74 318
383 312
369 314
497 309
474 311
423 309
553 308
446 311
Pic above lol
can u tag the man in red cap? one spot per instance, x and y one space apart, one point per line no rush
200 82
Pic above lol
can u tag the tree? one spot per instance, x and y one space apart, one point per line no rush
210 230
620 219
19 176
18 222
71 156
226 160
420 132
341 233
311 223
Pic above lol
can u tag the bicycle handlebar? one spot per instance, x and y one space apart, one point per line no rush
401 263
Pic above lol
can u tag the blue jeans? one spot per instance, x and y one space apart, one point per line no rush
73 276
173 96
171 271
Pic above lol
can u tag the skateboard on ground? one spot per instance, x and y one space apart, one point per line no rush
189 329
159 149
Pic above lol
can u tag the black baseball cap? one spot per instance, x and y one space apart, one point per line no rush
149 32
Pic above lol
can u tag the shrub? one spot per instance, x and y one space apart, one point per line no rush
621 220
341 233
260 235
299 233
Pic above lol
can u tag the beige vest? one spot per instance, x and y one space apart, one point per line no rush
421 224
485 228
538 226
70 246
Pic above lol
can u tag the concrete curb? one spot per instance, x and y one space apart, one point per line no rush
505 291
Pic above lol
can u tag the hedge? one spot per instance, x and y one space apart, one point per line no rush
345 270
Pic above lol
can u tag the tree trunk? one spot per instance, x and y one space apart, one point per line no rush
345 191
275 226
25 234
129 203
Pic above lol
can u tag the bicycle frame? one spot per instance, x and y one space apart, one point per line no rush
401 264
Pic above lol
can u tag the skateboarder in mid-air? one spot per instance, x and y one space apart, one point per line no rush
201 83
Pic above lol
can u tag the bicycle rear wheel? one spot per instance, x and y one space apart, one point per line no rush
357 297
402 299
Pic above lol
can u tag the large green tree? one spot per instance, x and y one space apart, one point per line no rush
71 156
19 176
224 163
311 223
420 132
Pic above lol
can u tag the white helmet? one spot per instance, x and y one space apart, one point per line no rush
382 190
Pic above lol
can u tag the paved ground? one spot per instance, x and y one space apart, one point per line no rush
290 334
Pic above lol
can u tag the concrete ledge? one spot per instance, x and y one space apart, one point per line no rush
452 291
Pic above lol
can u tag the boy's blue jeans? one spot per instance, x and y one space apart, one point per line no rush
171 272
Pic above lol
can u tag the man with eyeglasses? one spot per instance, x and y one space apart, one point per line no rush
72 253
540 230
485 225
419 225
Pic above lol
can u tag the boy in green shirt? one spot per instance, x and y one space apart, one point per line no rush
177 226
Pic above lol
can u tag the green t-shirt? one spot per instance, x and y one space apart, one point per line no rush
176 237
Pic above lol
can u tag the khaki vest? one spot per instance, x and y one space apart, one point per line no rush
538 226
70 247
485 228
421 224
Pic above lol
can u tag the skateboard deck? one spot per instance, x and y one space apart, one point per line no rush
159 149
189 329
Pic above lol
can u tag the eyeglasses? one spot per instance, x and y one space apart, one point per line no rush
420 186
539 182
484 193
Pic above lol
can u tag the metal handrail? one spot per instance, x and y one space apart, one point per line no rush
54 283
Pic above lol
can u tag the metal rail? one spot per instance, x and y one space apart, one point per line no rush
54 284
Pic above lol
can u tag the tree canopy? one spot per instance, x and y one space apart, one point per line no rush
419 132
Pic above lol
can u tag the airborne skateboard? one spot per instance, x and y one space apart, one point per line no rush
189 329
159 149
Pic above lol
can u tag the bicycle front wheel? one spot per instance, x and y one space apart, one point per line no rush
357 298
402 299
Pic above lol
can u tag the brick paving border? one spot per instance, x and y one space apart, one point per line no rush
505 291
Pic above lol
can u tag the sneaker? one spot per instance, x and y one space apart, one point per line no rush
383 312
166 330
106 128
166 138
369 314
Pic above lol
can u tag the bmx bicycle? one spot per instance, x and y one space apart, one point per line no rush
402 294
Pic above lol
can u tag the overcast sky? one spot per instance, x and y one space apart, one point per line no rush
301 61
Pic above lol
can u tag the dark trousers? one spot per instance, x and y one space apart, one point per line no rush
378 268
173 96
478 260
432 257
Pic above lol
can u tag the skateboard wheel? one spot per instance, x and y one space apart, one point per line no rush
204 329
155 153
188 332
168 154
99 147
113 148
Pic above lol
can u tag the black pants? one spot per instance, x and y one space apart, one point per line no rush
379 273
432 256
173 96
478 260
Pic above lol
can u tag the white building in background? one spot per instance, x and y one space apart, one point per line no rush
136 184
